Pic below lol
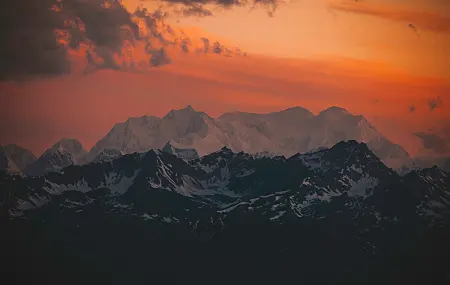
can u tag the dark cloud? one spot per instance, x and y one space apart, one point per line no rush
412 108
46 37
29 45
206 45
229 3
185 44
38 37
195 10
197 7
434 103
159 58
434 142
217 48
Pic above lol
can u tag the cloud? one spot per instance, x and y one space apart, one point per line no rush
434 103
40 37
197 7
434 142
420 19
57 37
159 57
195 10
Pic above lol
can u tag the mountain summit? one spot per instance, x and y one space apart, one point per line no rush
20 156
291 131
62 154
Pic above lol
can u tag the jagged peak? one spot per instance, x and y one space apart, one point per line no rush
188 109
351 144
172 144
223 150
180 151
69 144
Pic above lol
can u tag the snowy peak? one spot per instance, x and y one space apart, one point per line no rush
19 155
185 122
62 154
178 150
334 111
291 131
186 112
296 110
72 146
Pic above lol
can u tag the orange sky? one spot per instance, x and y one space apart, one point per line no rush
365 60
312 28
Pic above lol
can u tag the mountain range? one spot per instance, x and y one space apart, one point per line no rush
331 215
286 133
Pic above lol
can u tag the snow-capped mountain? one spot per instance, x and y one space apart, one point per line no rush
62 154
186 127
295 130
20 156
329 206
177 150
225 179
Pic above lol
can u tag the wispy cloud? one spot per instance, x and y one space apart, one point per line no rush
198 7
422 20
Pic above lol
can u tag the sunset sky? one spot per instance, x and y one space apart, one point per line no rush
359 55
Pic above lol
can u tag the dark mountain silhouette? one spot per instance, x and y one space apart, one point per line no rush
334 215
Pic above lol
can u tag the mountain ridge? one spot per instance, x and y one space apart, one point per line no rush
233 209
290 131
62 154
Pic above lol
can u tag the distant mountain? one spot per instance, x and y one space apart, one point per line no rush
7 164
442 162
62 154
337 211
20 156
108 155
295 130
175 149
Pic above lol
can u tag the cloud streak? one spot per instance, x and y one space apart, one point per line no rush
420 19
197 7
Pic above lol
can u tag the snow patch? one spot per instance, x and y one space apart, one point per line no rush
279 215
363 187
